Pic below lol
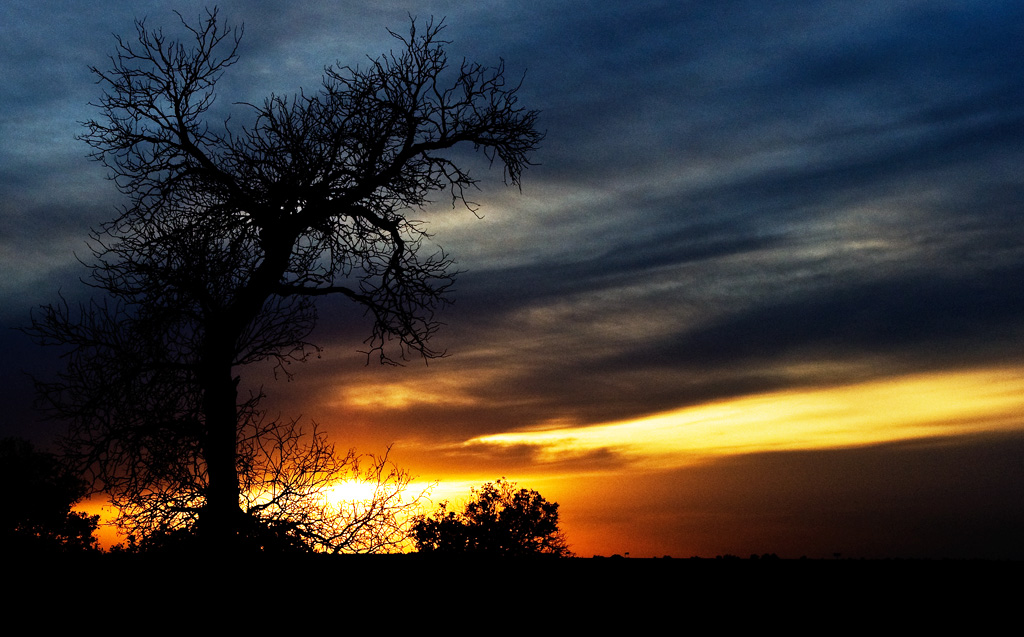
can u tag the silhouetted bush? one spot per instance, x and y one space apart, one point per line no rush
500 520
37 514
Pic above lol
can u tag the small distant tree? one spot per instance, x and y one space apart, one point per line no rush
36 514
499 520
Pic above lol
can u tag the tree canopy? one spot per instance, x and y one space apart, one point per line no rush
231 234
499 520
37 513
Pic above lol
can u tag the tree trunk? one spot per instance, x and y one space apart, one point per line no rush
221 516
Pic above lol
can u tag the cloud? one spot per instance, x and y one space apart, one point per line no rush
893 409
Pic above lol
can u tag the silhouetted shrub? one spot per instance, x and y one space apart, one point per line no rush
500 520
37 514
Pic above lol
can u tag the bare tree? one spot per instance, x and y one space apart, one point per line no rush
230 235
291 487
289 492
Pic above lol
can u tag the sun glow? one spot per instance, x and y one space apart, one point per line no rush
349 491
910 407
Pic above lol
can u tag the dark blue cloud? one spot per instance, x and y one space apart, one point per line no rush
739 181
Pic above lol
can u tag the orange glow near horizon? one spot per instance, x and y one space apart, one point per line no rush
944 405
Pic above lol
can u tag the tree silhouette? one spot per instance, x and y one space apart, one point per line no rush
231 234
36 515
288 483
499 520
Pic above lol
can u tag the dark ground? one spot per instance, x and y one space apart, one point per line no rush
732 590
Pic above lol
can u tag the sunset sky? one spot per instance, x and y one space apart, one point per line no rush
762 292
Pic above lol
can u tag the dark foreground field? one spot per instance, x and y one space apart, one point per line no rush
734 590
